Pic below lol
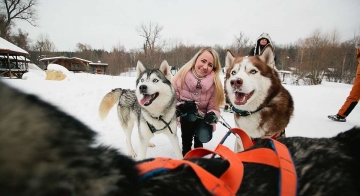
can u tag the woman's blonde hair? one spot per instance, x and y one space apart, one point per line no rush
219 91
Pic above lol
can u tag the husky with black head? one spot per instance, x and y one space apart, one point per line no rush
151 106
262 106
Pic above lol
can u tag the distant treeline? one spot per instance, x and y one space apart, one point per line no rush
307 58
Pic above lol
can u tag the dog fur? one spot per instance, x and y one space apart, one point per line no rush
153 102
253 85
44 151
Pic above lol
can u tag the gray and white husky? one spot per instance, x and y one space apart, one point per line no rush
151 106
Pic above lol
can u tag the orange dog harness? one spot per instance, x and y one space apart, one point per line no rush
230 181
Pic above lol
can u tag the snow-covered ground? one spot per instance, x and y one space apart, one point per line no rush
80 95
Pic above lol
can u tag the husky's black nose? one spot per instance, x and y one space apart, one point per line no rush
143 88
237 83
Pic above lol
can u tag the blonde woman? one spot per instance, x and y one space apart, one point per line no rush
200 94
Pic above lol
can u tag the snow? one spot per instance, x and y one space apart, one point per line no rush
80 95
5 45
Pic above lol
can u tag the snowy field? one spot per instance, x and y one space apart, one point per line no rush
80 95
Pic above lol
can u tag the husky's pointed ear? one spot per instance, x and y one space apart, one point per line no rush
267 56
139 69
228 59
166 69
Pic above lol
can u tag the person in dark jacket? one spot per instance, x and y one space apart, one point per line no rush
263 40
260 44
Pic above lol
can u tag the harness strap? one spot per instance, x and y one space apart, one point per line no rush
246 140
235 167
153 129
288 177
260 156
274 136
210 182
166 124
230 181
279 157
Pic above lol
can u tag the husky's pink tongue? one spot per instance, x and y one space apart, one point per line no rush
145 99
241 98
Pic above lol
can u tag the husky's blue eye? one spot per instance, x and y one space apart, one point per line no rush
233 72
253 71
155 80
142 80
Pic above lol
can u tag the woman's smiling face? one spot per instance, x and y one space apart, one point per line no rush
204 64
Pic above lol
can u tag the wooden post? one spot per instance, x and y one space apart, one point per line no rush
8 62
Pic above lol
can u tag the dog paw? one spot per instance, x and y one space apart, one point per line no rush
151 144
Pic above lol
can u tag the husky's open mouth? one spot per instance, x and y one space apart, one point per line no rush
242 98
148 99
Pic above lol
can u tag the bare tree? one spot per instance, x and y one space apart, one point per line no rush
242 44
134 56
85 51
21 39
116 60
4 30
152 46
44 45
11 10
80 47
176 54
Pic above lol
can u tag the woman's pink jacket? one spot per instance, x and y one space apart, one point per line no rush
204 97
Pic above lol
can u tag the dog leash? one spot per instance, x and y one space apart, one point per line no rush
254 140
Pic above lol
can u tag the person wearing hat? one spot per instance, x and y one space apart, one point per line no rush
354 95
260 44
200 94
263 40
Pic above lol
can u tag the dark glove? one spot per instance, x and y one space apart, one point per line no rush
187 107
210 117
187 110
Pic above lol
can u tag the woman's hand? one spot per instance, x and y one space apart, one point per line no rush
210 117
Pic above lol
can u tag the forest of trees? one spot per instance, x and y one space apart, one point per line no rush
308 57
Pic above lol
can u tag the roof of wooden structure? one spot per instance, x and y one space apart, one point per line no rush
53 59
99 64
8 48
70 63
13 59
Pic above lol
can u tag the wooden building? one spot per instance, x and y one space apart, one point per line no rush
98 68
70 63
13 60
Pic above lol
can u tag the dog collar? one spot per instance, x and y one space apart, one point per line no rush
243 112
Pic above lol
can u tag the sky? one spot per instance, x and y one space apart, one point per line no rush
108 23
80 95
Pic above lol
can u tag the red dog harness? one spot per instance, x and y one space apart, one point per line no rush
230 181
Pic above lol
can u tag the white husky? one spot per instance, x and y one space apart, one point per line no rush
151 106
